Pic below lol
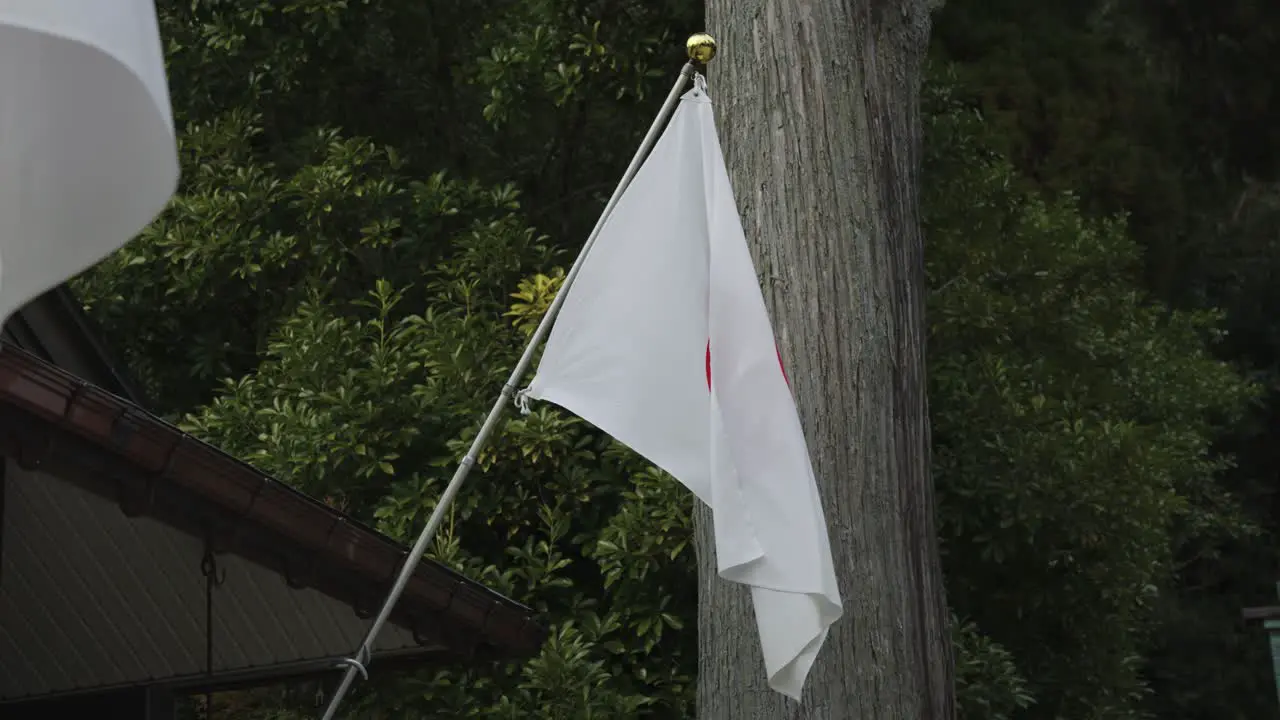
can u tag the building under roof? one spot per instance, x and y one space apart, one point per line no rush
137 562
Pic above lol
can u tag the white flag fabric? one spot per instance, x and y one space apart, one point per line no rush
664 342
87 149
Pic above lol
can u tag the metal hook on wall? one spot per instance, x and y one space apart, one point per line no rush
215 575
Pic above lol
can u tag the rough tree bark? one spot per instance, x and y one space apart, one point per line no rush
817 105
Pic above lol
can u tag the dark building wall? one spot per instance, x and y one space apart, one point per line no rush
131 704
91 598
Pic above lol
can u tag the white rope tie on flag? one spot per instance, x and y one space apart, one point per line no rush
354 665
522 401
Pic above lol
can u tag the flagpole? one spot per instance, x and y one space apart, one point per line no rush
701 48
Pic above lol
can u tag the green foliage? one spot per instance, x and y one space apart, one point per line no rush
1073 421
1166 112
988 684
328 144
1074 106
535 296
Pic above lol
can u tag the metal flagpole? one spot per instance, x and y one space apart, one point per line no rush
701 48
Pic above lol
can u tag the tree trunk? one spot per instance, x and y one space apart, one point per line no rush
817 105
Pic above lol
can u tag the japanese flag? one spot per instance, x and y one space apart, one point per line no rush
87 149
664 342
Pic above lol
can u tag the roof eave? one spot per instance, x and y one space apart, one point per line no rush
157 470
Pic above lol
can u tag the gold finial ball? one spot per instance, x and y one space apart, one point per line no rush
701 48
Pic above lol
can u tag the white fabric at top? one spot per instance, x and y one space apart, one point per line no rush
669 272
87 149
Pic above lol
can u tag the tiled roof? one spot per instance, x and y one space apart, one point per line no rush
55 423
